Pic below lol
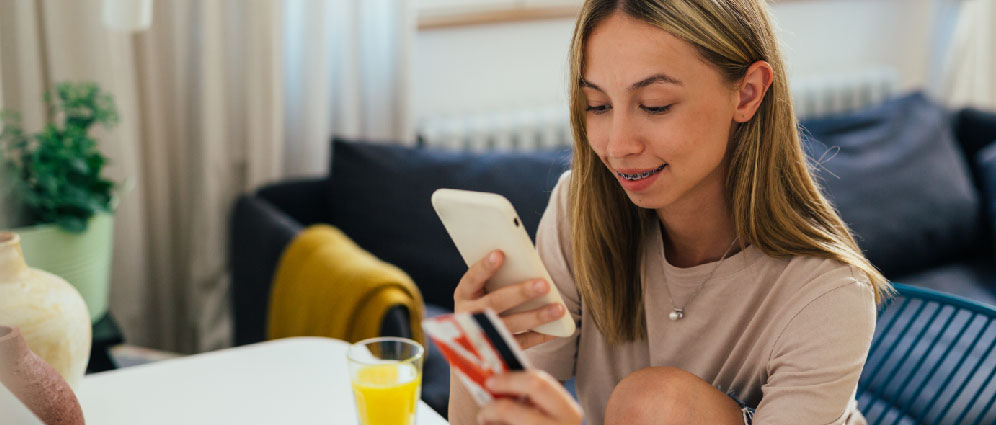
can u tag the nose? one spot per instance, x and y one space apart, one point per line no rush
623 139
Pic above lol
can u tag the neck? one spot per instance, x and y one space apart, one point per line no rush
11 260
697 232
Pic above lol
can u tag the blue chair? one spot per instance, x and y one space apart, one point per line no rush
931 361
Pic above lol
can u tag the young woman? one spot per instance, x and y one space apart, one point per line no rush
710 280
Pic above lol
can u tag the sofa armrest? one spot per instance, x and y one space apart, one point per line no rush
258 234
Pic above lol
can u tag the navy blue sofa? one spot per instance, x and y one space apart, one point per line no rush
913 180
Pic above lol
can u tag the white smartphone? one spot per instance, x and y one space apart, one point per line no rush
480 222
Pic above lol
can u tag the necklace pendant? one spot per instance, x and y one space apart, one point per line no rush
677 314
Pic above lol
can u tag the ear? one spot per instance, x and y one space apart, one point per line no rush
752 89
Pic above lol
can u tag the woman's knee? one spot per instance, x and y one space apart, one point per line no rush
644 395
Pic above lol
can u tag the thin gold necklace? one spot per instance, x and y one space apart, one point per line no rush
678 313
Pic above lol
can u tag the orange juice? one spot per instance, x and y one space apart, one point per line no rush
387 393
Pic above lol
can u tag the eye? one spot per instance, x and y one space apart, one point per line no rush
598 110
656 110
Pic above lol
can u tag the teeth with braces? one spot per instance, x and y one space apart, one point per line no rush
642 175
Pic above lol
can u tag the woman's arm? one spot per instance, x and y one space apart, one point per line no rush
463 409
470 296
817 359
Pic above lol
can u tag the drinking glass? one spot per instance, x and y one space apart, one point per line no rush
386 374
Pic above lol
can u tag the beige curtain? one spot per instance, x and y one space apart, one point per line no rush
963 60
347 72
209 82
218 97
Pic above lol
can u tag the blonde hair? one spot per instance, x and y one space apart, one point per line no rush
775 204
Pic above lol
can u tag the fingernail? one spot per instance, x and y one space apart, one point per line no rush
553 311
539 286
493 258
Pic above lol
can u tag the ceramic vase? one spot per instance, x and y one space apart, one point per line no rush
35 383
50 313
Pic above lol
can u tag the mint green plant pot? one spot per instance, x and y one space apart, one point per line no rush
82 259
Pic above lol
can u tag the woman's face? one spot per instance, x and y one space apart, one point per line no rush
658 115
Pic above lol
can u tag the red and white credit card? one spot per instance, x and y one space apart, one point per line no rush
478 346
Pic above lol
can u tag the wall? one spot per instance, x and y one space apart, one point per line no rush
481 68
507 66
839 36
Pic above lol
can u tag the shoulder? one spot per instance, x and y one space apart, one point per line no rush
561 191
553 236
809 278
796 281
555 220
821 294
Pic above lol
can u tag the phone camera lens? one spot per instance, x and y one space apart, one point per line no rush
516 221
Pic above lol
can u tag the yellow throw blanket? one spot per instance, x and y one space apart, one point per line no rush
326 285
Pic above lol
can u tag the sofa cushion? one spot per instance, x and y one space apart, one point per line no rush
379 196
985 163
897 177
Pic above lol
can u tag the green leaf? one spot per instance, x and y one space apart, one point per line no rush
78 165
95 163
48 183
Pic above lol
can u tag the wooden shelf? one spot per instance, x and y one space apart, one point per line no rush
430 20
494 16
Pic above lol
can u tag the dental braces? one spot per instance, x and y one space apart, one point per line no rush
642 175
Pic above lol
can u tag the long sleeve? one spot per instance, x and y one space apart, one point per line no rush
553 243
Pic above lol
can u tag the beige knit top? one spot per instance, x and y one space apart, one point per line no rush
788 336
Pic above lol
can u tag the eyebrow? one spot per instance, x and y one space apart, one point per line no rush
653 79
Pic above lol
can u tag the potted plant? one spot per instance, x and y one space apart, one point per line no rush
56 177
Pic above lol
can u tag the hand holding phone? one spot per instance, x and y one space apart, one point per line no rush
515 284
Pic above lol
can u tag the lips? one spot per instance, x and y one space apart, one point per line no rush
634 175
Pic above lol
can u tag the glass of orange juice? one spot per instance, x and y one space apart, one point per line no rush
386 374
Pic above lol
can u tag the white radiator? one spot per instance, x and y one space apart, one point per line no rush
527 129
815 97
545 127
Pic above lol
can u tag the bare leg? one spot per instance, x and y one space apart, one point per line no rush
667 395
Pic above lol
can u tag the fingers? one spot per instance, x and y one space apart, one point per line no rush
511 296
502 411
471 285
469 296
542 390
526 320
532 338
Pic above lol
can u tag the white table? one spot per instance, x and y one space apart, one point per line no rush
291 381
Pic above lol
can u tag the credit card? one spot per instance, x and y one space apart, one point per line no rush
477 346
